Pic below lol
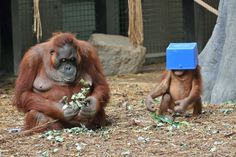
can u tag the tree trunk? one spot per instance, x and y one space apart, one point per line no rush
218 58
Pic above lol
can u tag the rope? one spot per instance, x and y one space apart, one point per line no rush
207 6
135 22
37 27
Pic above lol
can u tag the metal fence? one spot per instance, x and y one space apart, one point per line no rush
164 21
204 22
77 16
168 21
26 24
123 17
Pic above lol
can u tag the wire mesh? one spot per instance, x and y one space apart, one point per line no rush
163 22
124 17
79 17
26 22
76 16
210 19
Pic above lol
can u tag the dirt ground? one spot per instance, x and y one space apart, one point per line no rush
132 133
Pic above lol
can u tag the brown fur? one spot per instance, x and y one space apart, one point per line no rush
179 93
43 106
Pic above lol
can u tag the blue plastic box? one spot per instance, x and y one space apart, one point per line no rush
181 56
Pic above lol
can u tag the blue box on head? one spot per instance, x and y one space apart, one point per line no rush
181 56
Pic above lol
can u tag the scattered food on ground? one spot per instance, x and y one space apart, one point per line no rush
133 131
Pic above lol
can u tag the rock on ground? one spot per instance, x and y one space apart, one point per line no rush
117 54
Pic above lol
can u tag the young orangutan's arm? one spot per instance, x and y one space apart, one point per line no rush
158 91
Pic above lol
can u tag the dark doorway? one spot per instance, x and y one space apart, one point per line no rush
6 50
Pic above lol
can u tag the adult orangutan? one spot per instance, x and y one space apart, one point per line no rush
180 91
53 69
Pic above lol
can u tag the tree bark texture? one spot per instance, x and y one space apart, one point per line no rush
218 58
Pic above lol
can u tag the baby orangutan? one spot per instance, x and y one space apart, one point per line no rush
180 91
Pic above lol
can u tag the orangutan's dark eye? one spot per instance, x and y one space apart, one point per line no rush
52 51
63 60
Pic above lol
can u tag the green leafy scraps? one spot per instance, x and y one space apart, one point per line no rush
157 100
163 119
84 83
226 111
142 102
44 154
77 130
59 139
230 102
54 135
77 99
